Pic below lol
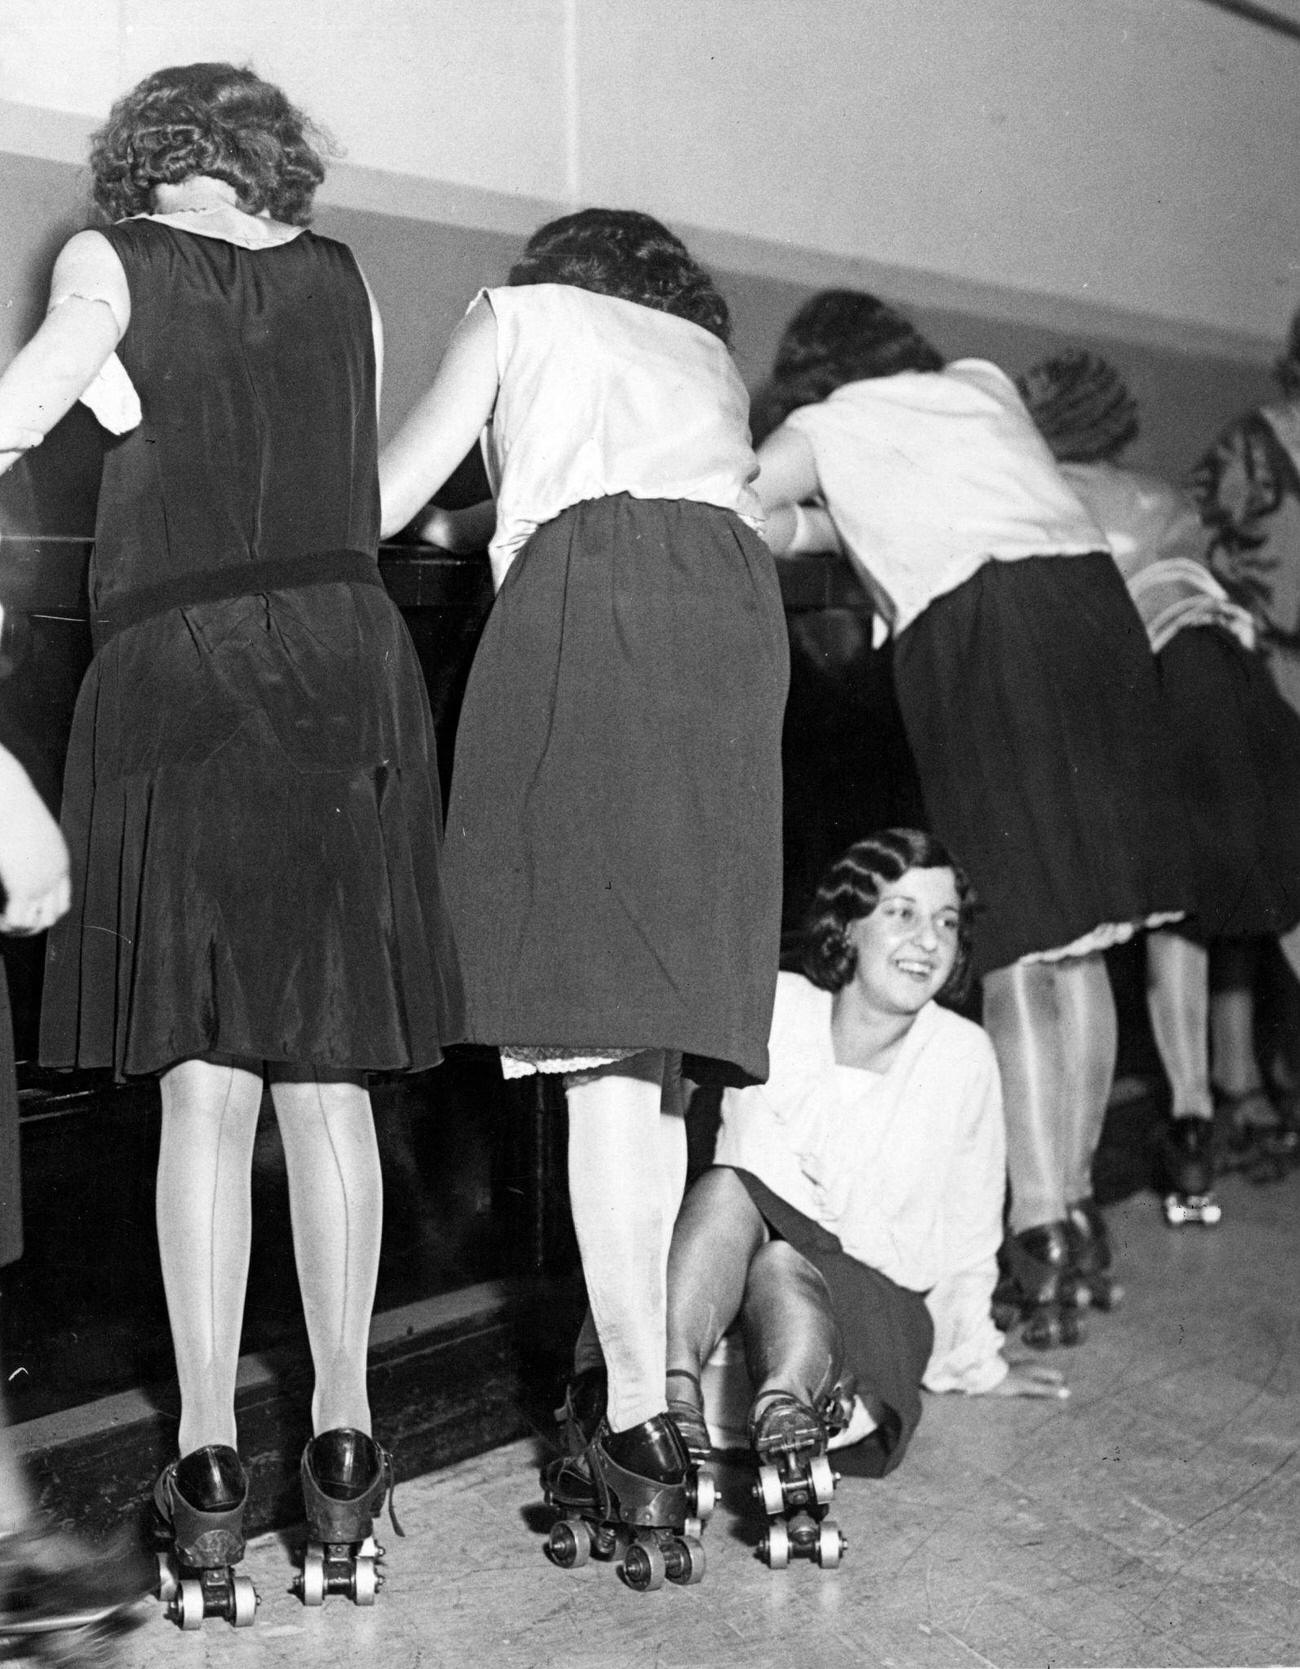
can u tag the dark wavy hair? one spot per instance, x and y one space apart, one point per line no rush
619 252
851 888
836 337
1082 406
209 119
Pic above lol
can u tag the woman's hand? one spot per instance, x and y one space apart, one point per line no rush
1028 1377
33 855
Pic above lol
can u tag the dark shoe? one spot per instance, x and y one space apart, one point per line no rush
688 1417
1030 1293
1088 1280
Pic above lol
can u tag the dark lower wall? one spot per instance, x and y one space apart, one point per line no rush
424 273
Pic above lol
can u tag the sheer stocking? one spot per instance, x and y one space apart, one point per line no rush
1178 1002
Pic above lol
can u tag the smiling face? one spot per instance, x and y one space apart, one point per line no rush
907 946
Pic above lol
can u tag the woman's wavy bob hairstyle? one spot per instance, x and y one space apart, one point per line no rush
851 888
837 337
621 253
212 119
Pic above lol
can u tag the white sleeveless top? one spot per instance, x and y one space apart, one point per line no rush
930 474
600 396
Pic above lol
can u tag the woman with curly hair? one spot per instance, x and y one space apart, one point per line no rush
1031 706
852 1216
614 831
251 798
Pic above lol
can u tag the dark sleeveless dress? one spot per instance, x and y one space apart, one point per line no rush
251 796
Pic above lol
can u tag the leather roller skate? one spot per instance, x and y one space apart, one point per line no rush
63 1603
200 1506
1252 1137
630 1496
580 1415
795 1482
1186 1152
1088 1280
1030 1292
346 1476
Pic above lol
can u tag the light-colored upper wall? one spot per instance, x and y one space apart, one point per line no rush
1128 162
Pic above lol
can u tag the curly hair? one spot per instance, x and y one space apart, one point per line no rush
1081 405
619 252
1287 368
837 337
851 888
212 119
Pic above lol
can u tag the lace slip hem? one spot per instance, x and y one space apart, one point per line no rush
1102 937
521 1061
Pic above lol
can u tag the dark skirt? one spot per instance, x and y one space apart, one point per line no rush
252 808
1236 744
11 1192
1034 712
887 1333
613 856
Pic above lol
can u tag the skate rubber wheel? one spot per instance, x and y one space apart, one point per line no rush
189 1604
312 1581
822 1480
569 1543
769 1491
688 1563
644 1568
167 1578
775 1545
830 1545
365 1584
243 1602
704 1494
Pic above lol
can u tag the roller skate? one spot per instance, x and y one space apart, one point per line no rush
795 1482
580 1415
1251 1136
63 1603
631 1496
1030 1292
346 1476
1089 1281
1186 1153
200 1506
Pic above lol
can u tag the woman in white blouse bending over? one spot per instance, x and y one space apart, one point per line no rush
852 1216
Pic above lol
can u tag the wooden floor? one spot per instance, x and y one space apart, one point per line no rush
1152 1519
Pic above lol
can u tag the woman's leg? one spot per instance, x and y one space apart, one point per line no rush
792 1342
1233 971
204 1212
719 1232
1088 1041
1178 1002
1023 1018
336 1203
623 1224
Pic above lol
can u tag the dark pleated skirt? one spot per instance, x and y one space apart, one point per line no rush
887 1333
1034 711
1236 744
252 808
613 854
11 1191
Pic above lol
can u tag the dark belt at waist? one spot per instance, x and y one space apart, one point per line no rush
218 584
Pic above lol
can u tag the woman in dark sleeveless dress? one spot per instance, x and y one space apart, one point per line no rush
251 799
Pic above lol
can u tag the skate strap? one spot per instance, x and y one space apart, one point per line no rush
392 1494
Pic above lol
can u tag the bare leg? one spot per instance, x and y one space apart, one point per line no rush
1022 1014
336 1203
204 1210
792 1342
719 1231
622 1228
1232 1017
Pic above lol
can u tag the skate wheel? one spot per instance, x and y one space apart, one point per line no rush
830 1545
644 1568
1072 1329
189 1604
365 1585
688 1564
569 1543
769 1491
821 1480
704 1495
1212 1215
312 1581
243 1602
775 1545
168 1577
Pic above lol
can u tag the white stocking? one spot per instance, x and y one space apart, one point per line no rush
204 1210
336 1203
